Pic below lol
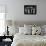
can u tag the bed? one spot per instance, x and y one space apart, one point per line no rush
29 40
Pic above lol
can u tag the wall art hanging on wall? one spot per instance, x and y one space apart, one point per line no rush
30 9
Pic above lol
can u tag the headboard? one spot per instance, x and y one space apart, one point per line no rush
21 23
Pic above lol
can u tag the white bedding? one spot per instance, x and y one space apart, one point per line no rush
29 40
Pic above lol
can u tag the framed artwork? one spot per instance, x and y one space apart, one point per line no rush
30 9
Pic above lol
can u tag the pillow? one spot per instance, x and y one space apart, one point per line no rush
13 30
36 30
44 29
28 26
44 26
21 30
28 31
24 30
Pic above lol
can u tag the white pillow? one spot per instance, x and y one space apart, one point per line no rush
13 30
36 30
28 31
21 30
42 30
28 26
44 26
24 30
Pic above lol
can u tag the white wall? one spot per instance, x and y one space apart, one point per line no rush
15 9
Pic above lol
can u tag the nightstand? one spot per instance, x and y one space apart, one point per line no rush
7 43
4 41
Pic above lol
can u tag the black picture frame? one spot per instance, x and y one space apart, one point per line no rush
30 9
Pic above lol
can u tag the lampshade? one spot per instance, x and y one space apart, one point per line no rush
9 22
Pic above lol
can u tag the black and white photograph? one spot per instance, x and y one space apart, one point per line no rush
30 9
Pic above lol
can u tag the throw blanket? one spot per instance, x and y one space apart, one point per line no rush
29 40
